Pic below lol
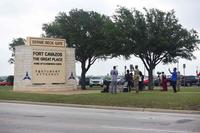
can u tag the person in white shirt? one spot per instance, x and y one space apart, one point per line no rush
114 74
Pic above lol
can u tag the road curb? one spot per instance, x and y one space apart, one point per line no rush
105 107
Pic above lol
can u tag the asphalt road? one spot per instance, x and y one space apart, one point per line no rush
28 118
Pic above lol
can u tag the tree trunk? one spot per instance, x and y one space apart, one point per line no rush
83 84
83 73
150 86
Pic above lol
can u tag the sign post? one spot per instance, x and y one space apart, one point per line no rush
184 66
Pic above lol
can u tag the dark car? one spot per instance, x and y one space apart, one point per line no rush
106 80
189 80
8 82
121 80
87 81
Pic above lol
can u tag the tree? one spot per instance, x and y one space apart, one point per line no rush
12 45
85 31
154 37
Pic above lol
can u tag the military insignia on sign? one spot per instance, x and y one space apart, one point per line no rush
27 76
72 76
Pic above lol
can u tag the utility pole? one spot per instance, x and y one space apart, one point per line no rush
184 66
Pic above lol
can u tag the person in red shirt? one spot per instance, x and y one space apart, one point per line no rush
198 74
164 82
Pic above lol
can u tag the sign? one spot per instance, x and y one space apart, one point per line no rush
48 60
48 66
48 42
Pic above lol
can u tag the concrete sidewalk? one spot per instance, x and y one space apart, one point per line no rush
105 107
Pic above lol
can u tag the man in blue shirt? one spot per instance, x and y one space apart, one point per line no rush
173 79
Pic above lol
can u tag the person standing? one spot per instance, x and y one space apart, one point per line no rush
114 74
159 79
141 81
164 82
128 79
173 79
136 78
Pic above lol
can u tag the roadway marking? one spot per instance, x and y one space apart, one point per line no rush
149 129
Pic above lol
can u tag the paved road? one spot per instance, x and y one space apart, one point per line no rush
26 118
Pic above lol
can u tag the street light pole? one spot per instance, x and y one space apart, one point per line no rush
184 72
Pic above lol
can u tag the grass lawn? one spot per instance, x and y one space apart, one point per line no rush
187 98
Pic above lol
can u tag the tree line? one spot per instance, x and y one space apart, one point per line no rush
154 36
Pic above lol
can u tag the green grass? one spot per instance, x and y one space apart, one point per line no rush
187 98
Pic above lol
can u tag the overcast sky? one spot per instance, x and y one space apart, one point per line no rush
22 18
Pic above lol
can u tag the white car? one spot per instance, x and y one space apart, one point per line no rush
96 81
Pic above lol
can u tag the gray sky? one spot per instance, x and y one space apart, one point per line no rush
22 18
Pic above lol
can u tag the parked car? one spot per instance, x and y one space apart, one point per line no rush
146 81
189 80
121 80
96 81
3 78
106 80
87 81
8 82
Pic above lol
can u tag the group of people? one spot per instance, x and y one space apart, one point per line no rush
131 80
175 80
137 80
